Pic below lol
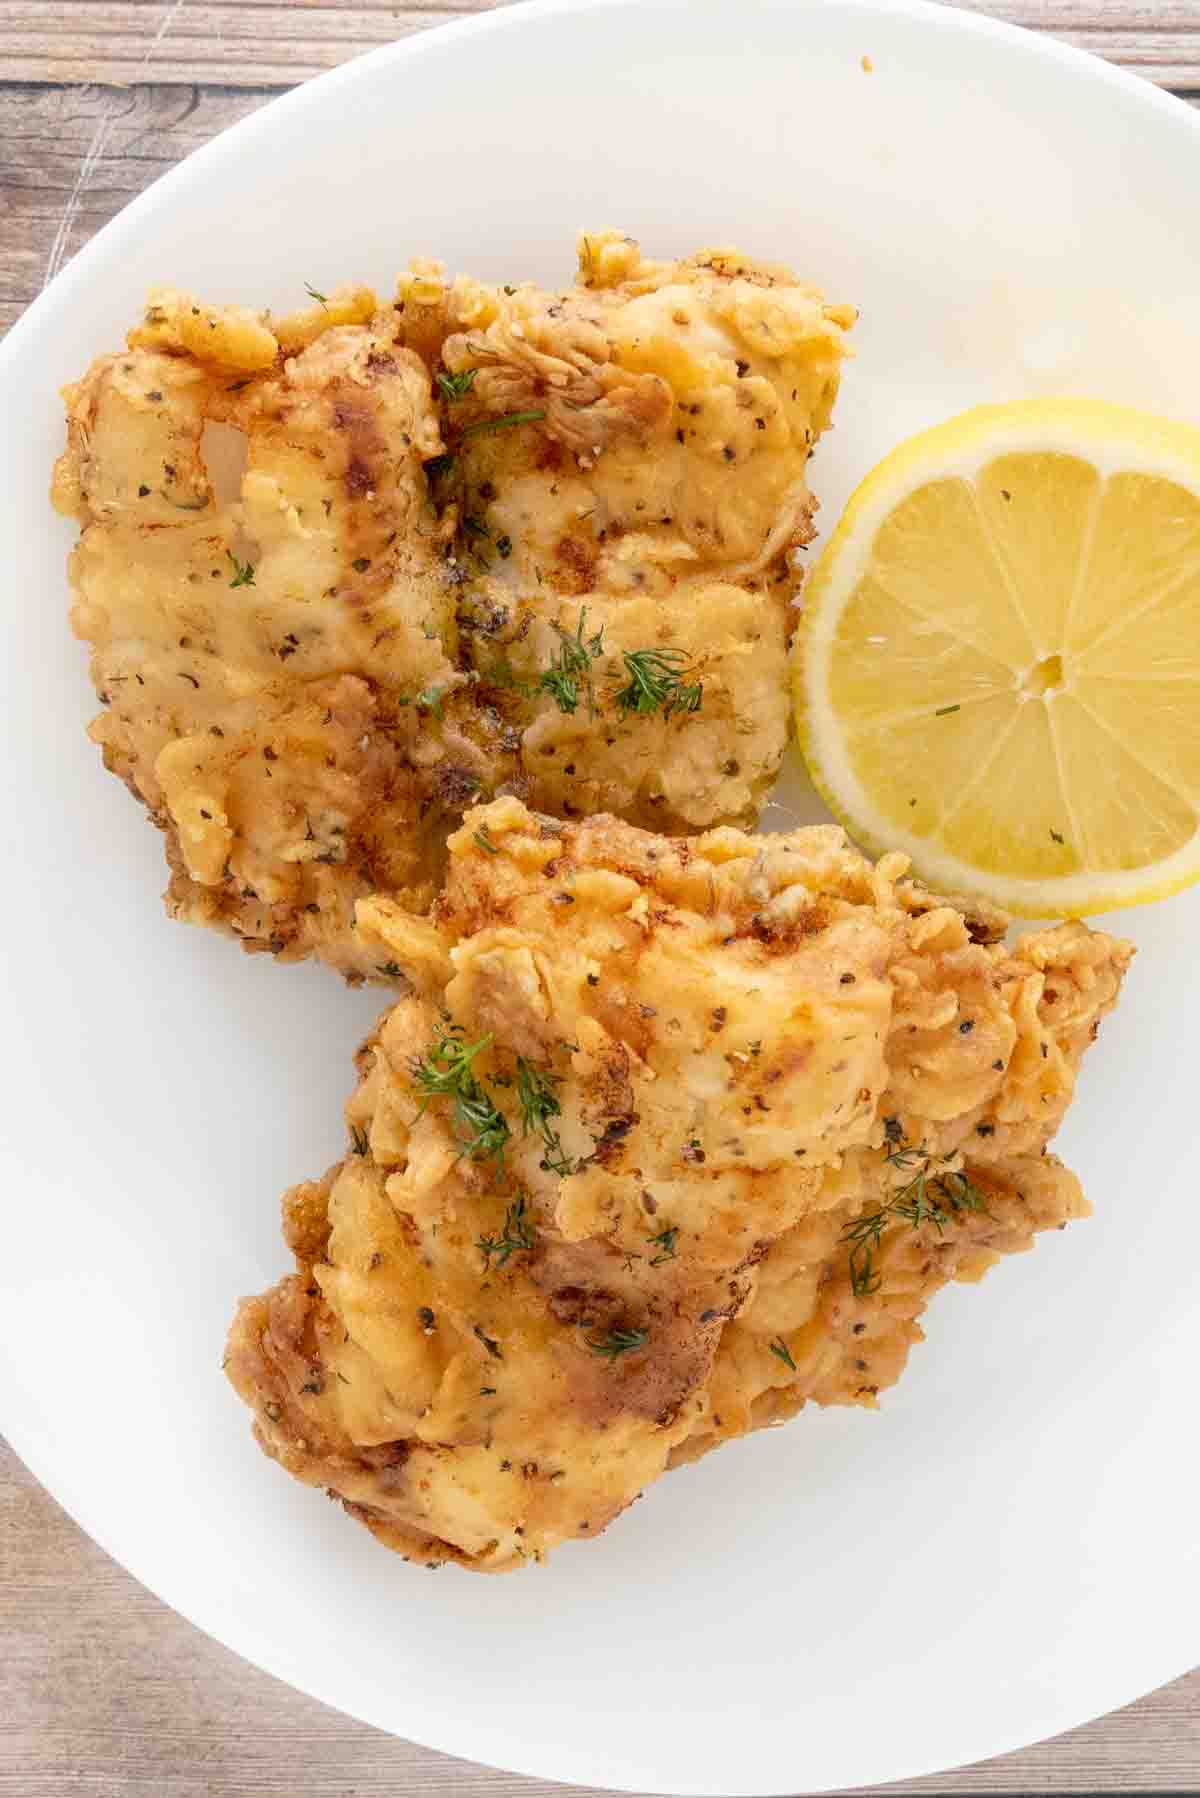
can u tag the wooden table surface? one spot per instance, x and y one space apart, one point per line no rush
103 1691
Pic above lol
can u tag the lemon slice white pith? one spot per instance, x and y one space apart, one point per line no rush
998 669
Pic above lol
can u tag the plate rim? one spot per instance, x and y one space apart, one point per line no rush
31 1445
507 15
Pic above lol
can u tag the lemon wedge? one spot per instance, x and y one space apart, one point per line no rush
998 667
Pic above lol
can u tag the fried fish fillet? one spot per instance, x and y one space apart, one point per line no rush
671 1137
657 494
409 601
259 659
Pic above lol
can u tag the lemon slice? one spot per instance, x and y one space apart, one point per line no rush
998 669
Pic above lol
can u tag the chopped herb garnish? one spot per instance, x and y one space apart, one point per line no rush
617 1342
321 298
448 1063
456 387
539 1103
944 711
536 1096
665 1243
928 1198
489 1343
389 969
475 527
505 423
484 840
483 1130
656 683
1055 837
556 1160
504 547
431 700
518 1233
572 672
782 1352
359 1143
863 1278
243 572
446 1072
501 673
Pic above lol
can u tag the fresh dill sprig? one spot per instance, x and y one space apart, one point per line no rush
447 1063
536 1095
517 1234
617 1342
656 683
501 673
482 1129
928 1198
903 1155
782 1352
243 572
446 1072
456 387
505 422
556 1160
863 1278
666 1244
571 673
539 1103
322 299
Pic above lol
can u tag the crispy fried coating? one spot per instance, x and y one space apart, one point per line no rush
407 602
655 492
671 1137
260 659
983 1053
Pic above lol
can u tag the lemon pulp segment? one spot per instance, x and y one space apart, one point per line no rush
999 668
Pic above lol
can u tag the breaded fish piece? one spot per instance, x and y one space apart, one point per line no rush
261 661
311 669
627 467
983 1053
671 1137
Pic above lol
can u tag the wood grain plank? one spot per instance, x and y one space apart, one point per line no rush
127 137
163 1712
1159 39
244 43
258 43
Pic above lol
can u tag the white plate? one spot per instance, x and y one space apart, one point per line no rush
1010 1547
